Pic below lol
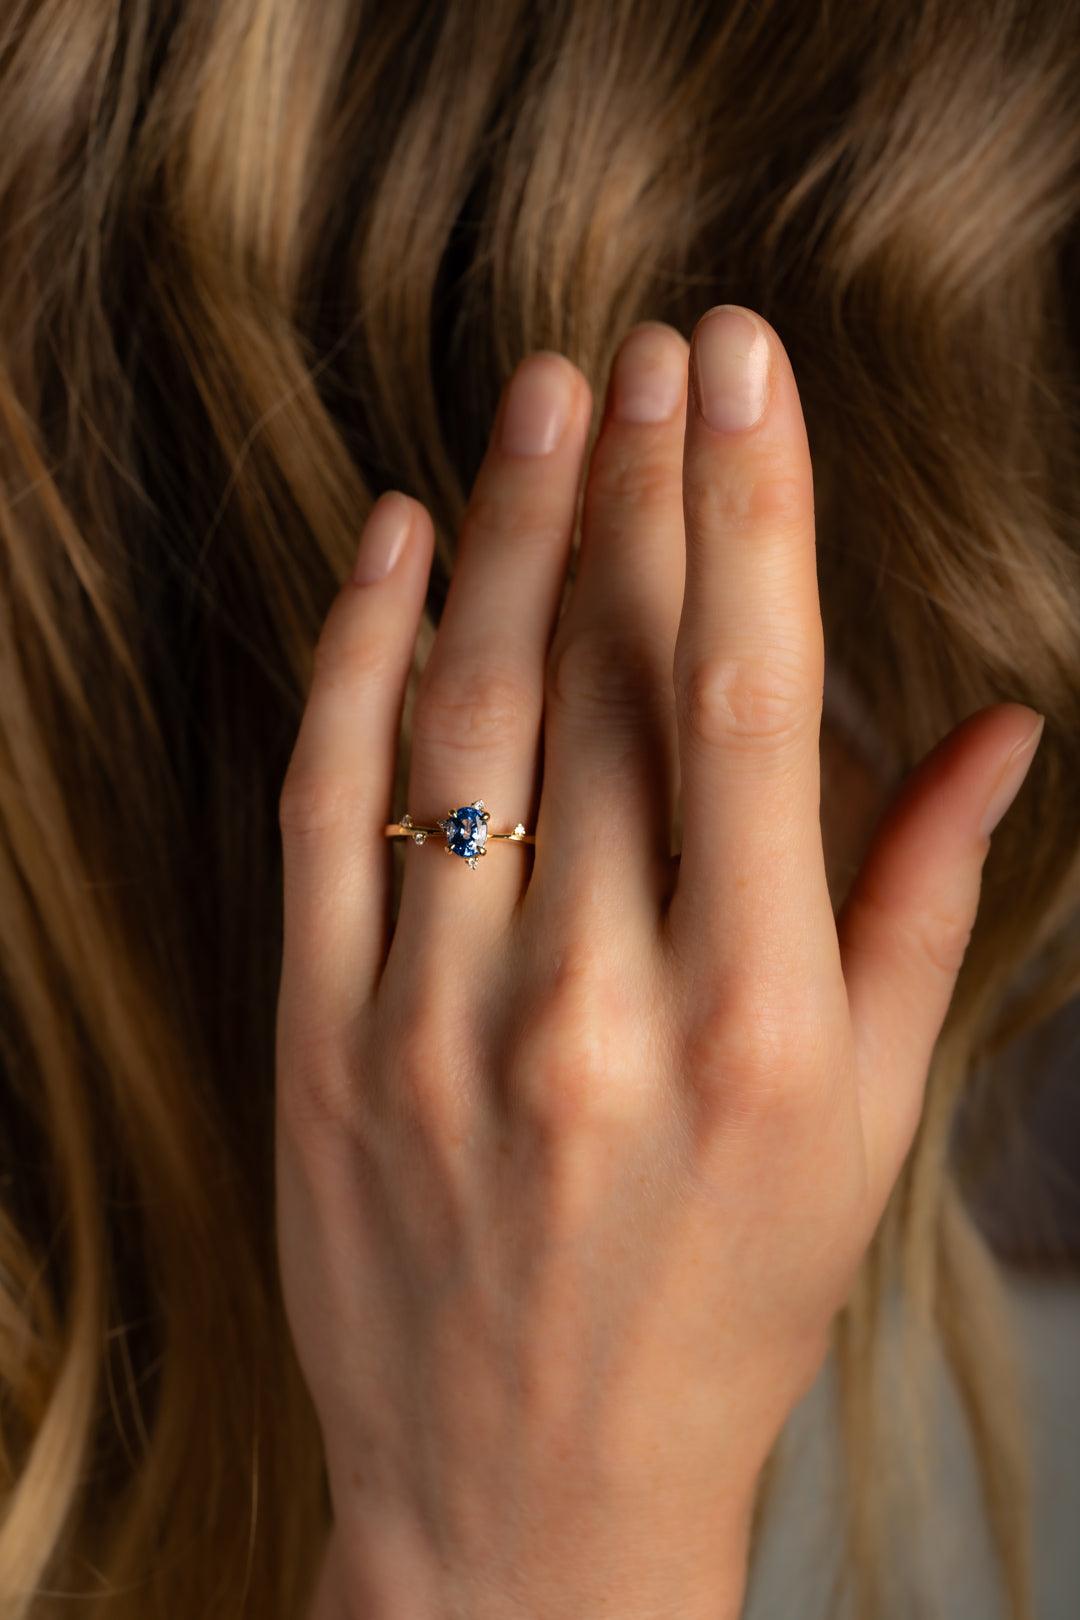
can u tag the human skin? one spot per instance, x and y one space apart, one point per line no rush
578 1160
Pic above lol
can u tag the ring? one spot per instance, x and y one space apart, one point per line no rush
466 831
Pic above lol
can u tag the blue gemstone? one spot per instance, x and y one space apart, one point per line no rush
466 831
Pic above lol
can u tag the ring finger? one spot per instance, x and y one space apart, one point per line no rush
477 716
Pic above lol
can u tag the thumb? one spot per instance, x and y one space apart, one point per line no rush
904 927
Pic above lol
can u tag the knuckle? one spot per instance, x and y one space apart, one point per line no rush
748 1053
941 936
316 1092
501 506
626 476
342 658
564 1073
420 1095
312 802
750 1073
562 1097
741 702
600 669
736 1034
780 501
417 1052
423 1097
756 492
470 705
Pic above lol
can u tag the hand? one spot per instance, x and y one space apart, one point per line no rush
573 1177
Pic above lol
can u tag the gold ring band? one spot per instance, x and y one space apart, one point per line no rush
466 831
407 828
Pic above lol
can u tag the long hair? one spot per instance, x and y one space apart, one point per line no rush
262 261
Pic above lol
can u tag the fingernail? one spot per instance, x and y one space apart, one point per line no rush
537 406
648 377
383 539
1011 778
731 367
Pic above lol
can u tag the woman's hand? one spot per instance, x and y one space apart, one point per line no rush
573 1177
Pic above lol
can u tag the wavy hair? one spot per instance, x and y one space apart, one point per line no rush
262 261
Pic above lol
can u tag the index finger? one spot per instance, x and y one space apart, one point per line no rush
749 658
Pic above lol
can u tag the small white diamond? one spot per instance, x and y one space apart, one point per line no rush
419 837
519 831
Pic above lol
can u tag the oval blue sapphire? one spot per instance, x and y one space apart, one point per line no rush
466 831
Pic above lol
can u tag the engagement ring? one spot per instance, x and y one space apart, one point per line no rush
466 831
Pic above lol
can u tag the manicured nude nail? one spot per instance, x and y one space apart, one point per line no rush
731 368
1011 778
383 538
648 376
537 406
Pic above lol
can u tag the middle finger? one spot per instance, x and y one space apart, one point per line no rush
610 743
